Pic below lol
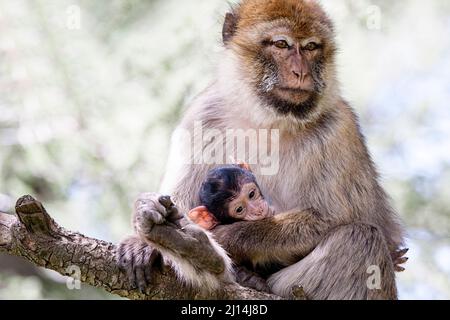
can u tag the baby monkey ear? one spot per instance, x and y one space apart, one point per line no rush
203 218
244 165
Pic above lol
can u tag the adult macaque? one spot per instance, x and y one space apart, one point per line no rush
229 194
278 71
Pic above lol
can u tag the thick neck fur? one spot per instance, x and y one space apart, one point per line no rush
243 100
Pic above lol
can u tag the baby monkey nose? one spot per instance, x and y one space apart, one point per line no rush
260 211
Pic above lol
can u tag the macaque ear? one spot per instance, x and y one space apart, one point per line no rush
202 217
245 166
229 27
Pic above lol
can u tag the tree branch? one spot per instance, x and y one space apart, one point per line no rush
35 236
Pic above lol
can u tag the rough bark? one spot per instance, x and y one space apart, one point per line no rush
35 236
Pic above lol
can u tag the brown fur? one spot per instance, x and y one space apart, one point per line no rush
306 18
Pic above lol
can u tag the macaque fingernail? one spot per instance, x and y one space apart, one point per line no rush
166 201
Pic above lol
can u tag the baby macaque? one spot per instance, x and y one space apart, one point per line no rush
230 194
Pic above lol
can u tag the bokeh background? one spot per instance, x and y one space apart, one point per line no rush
90 91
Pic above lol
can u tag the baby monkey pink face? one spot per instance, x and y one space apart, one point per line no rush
249 204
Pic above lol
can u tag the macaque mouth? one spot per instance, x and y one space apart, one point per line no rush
295 90
299 110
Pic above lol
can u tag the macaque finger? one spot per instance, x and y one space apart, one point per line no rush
148 274
298 293
144 265
399 253
402 252
127 263
250 279
399 269
166 201
398 262
262 286
141 279
149 212
152 261
401 260
173 214
149 202
131 272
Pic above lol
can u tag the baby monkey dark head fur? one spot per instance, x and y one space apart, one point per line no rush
231 194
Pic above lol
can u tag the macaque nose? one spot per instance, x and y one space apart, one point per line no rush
298 67
257 210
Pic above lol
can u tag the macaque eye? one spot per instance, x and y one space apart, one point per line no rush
311 46
240 209
281 44
252 194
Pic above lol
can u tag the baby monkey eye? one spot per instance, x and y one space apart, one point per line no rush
240 209
252 194
311 46
281 44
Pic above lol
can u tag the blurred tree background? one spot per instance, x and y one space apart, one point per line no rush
91 90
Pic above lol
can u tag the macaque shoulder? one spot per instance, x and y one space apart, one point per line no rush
207 108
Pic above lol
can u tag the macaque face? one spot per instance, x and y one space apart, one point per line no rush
249 204
292 68
286 47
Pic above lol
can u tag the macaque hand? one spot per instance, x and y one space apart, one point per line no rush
152 209
134 254
398 258
158 223
249 279
138 259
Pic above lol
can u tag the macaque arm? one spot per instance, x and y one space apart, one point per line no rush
195 256
157 222
282 238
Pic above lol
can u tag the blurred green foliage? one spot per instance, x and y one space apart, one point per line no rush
86 113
